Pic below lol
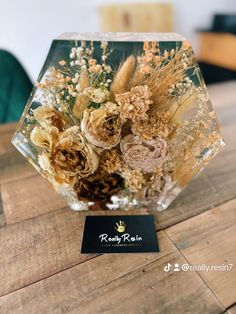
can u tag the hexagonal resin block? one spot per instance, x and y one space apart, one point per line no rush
119 121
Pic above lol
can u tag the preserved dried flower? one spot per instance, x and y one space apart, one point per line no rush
98 187
154 188
111 161
48 117
152 127
66 154
97 95
119 138
146 156
134 104
102 126
134 179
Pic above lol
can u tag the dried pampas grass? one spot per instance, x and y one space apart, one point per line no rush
84 80
81 101
160 78
121 82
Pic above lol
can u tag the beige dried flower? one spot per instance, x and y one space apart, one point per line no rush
97 95
152 127
134 104
154 188
48 117
123 76
134 179
102 127
66 155
44 138
146 156
111 161
81 101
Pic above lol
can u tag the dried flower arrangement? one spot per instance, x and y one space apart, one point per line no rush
126 137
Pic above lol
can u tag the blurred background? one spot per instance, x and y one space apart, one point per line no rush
27 28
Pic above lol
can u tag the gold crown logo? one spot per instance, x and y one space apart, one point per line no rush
120 227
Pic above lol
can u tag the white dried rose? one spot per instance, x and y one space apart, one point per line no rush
102 126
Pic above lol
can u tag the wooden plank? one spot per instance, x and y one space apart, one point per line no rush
202 226
2 220
2 216
35 196
141 17
223 98
5 128
222 95
218 49
1 205
66 289
210 239
14 166
151 290
40 247
232 310
6 133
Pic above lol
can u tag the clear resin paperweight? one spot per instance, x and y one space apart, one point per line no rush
119 120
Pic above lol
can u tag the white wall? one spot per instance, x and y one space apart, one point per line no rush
28 26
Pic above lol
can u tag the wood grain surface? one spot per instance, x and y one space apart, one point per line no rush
42 270
28 207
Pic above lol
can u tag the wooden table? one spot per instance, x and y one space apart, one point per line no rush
42 270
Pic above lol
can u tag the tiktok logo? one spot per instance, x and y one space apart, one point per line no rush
168 267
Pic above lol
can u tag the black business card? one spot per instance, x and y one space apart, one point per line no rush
119 234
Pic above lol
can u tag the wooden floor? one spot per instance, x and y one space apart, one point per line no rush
42 270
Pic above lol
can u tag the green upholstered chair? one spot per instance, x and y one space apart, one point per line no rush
15 88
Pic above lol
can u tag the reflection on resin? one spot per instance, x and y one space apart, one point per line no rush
119 121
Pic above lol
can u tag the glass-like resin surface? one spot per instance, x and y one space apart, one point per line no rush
119 121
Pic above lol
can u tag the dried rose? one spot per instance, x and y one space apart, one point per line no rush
146 156
102 127
97 95
44 138
48 117
66 156
98 187
134 104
